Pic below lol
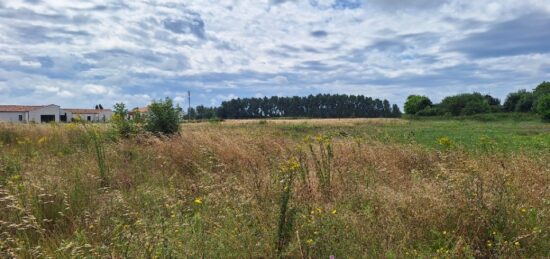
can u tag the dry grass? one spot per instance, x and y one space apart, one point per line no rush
322 122
214 191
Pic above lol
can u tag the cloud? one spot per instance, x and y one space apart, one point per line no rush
526 34
79 53
190 23
319 34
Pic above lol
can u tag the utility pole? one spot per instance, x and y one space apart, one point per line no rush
189 103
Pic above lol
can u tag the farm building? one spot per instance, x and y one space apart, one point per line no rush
23 113
51 113
90 115
138 112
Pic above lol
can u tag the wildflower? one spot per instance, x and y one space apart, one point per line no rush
309 242
444 232
445 141
42 140
333 211
523 210
198 200
516 243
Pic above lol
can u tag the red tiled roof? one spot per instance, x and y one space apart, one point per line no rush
140 110
19 108
86 111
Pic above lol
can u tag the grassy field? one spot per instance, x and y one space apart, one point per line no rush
352 188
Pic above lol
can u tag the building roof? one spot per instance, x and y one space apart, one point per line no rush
21 108
140 110
86 111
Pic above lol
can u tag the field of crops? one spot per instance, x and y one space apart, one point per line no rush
349 188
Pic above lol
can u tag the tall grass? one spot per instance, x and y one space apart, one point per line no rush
254 190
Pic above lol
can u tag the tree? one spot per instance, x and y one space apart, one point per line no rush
416 103
543 107
525 103
313 106
542 89
465 104
492 101
119 109
512 100
395 111
122 125
163 117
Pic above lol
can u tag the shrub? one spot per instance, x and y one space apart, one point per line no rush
543 107
431 111
163 117
416 103
122 125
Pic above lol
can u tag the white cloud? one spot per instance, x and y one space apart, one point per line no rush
136 51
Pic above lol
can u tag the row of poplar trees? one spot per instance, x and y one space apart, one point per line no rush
312 106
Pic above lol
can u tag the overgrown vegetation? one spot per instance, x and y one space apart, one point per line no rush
294 188
522 101
162 118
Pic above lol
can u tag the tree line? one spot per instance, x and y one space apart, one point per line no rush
312 106
536 101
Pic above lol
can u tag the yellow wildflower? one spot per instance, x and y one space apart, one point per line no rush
523 210
333 211
198 200
309 242
42 140
516 243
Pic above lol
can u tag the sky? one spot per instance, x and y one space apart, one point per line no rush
81 53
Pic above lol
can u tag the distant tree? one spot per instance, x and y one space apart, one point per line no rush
512 100
542 89
543 107
96 107
492 101
416 103
163 117
119 109
100 107
525 103
465 104
314 106
395 111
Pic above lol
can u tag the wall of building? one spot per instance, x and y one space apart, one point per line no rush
12 116
34 116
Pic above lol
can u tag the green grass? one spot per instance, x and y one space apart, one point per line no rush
471 135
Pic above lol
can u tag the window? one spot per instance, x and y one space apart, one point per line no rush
47 118
89 118
20 117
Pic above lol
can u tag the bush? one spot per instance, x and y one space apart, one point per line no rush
431 111
543 107
121 124
163 117
465 104
416 103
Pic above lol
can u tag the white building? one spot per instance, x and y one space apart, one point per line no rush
89 115
51 113
21 113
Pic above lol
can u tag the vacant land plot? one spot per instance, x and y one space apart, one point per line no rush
301 188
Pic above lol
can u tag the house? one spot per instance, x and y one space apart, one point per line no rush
24 113
51 113
138 113
89 115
